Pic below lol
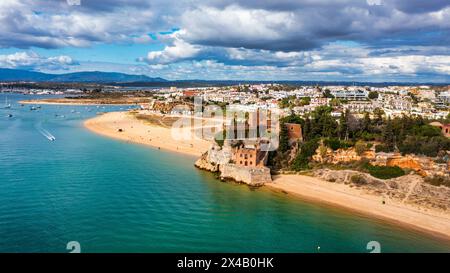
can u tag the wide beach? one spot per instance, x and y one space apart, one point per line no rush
317 190
123 126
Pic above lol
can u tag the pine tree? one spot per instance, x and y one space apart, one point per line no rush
366 122
343 126
388 135
307 129
284 138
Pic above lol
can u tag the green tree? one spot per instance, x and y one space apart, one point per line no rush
327 94
366 122
303 157
360 147
343 125
305 101
284 138
284 103
388 135
378 113
307 129
373 95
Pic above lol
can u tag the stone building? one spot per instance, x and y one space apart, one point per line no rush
250 156
294 132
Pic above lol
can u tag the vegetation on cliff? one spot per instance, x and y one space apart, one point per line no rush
407 135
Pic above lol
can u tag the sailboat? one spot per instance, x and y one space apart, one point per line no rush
7 105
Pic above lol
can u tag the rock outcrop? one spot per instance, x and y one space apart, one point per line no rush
204 164
218 159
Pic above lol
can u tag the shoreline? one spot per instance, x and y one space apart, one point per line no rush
319 191
40 102
313 189
136 131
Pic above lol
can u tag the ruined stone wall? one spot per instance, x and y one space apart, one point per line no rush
253 176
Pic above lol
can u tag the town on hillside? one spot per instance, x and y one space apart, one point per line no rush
384 131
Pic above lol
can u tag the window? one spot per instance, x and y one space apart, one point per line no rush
245 163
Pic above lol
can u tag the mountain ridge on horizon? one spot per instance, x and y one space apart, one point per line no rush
8 74
124 79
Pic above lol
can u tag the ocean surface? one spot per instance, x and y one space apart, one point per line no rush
112 196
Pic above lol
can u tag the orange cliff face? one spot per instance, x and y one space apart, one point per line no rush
406 163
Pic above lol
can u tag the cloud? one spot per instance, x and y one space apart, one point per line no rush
27 23
420 6
306 25
33 61
285 25
244 38
178 50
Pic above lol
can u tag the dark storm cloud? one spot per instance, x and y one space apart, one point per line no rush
304 25
349 37
420 6
287 25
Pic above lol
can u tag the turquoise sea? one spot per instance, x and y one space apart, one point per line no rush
111 196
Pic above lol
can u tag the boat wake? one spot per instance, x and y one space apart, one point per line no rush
46 133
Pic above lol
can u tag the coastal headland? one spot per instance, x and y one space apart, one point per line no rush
157 133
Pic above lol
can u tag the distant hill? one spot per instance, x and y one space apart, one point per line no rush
88 76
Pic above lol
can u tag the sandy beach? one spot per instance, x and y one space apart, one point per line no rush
136 131
88 101
317 190
41 102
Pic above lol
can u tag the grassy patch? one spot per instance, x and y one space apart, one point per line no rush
384 172
438 180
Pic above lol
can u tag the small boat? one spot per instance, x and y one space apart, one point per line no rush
47 134
7 104
32 108
10 115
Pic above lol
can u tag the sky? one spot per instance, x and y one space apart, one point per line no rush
330 40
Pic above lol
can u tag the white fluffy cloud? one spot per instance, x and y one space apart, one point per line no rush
242 38
32 60
178 50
